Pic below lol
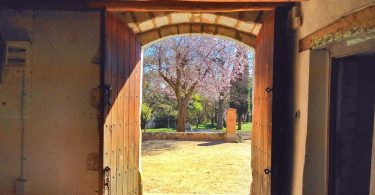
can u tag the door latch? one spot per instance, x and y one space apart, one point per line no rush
107 179
267 171
107 91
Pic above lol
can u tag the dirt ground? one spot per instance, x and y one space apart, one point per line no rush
195 167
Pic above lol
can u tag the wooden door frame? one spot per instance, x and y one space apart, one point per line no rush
372 174
101 118
281 82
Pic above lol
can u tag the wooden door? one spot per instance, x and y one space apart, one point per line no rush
262 112
121 85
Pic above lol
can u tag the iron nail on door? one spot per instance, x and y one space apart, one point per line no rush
269 89
267 171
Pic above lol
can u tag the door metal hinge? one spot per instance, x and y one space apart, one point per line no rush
107 91
107 179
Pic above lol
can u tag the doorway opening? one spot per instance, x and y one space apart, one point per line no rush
352 124
121 83
194 79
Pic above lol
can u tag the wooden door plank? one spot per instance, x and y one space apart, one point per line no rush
120 109
126 108
131 115
126 114
107 116
121 130
262 132
138 93
113 112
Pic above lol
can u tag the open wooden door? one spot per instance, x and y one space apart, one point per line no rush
262 112
121 87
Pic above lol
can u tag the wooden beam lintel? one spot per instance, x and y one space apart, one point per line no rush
361 21
183 6
244 1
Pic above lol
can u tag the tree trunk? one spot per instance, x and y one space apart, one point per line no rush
215 114
144 125
182 112
239 121
168 122
213 120
220 114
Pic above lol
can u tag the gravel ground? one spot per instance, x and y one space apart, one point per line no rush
195 167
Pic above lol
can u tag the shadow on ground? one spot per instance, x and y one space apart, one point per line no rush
211 143
155 147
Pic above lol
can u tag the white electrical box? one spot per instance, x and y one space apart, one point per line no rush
15 85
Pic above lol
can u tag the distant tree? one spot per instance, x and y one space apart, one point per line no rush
157 102
195 110
186 64
146 113
230 67
250 100
208 111
166 110
239 94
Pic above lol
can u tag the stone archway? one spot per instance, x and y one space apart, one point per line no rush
196 28
152 26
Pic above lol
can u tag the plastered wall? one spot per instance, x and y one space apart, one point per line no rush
61 130
308 168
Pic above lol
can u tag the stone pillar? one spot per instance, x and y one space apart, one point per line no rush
231 133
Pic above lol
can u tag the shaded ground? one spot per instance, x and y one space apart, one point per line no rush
195 167
246 127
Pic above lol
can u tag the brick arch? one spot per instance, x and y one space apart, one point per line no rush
154 35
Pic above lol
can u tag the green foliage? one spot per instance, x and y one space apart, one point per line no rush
195 110
146 112
156 104
196 103
166 108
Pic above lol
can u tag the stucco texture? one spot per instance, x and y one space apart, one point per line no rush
316 14
62 127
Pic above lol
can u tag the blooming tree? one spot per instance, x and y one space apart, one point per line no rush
191 64
229 67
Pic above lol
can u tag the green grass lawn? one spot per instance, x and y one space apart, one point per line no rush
160 130
245 127
204 126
